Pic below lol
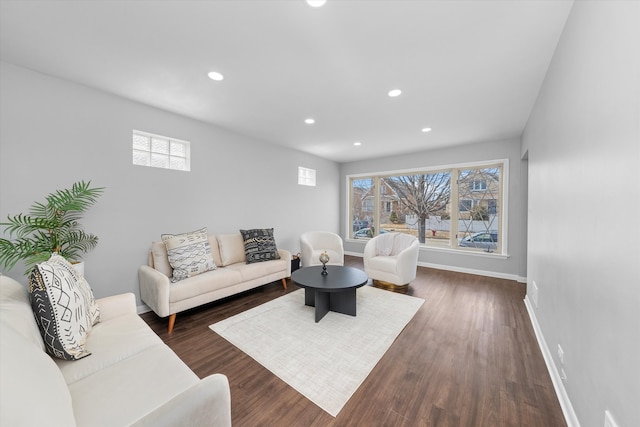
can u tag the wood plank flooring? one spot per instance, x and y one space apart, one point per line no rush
469 357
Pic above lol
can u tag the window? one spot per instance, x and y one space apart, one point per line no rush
160 152
454 208
478 185
306 176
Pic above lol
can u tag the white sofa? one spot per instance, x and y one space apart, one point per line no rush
232 275
131 377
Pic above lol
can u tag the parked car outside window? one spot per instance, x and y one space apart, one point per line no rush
366 233
483 240
359 224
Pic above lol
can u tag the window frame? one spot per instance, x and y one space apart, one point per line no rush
501 210
185 144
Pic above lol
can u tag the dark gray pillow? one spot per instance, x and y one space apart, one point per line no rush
259 245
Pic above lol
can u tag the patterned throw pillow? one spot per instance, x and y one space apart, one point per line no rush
93 310
189 253
60 307
259 245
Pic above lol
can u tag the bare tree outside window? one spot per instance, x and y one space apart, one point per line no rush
422 195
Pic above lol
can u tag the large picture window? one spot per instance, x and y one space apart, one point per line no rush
455 207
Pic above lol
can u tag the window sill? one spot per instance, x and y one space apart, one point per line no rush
481 254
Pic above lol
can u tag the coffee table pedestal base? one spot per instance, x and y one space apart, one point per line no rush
341 302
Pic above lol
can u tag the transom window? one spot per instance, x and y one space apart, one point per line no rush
306 176
458 207
160 151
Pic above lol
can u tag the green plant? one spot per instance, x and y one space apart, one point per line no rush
52 226
393 217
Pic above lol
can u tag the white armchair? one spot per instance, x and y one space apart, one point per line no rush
391 260
313 243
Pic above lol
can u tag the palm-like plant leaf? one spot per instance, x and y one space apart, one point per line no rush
50 227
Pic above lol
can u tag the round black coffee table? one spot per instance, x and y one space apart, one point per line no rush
335 291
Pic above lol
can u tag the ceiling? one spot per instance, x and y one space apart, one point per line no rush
470 70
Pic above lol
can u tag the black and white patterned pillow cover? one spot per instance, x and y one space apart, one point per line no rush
93 310
189 253
259 245
60 308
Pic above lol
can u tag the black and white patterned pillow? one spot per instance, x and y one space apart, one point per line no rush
60 308
93 310
189 253
259 245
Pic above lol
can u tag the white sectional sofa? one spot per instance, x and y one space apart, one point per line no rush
232 275
131 377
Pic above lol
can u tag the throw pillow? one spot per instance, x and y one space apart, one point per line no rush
259 245
60 308
189 253
93 310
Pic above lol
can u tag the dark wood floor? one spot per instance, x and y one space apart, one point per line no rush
469 357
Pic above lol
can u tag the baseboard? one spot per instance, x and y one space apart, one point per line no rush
142 309
567 408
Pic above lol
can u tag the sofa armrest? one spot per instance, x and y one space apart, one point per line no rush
286 255
207 403
369 252
407 262
116 306
154 290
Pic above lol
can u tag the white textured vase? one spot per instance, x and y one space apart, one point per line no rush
79 266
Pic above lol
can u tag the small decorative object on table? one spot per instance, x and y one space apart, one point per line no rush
324 259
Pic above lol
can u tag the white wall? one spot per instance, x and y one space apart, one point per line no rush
54 133
583 142
510 267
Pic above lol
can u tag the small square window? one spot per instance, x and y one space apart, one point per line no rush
306 176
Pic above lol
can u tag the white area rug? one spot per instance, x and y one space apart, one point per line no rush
325 361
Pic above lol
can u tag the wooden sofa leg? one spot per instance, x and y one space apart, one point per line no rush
172 321
284 283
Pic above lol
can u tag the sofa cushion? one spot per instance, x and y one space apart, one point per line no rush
383 263
259 245
16 310
120 394
109 343
384 244
32 391
61 308
231 248
189 253
402 242
256 270
204 283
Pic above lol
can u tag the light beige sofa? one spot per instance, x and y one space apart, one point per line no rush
131 377
232 275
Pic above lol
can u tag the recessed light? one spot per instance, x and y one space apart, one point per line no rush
357 143
309 121
425 130
316 3
395 92
214 75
